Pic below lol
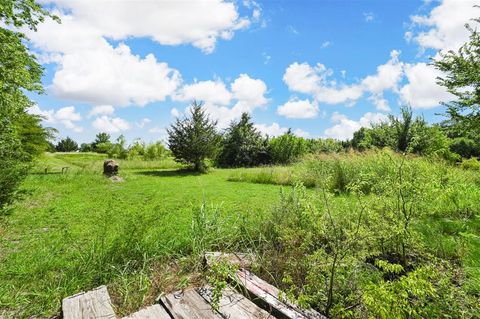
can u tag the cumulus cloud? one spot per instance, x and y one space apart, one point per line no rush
110 125
422 91
345 127
199 23
226 104
298 109
175 113
316 81
104 109
273 129
90 69
143 122
65 116
444 27
209 91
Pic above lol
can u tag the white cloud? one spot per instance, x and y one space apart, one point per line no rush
143 122
110 125
65 116
223 104
301 133
108 75
250 93
208 91
90 69
199 23
161 132
104 109
175 113
298 109
315 81
326 44
345 127
445 25
271 130
368 16
275 129
422 91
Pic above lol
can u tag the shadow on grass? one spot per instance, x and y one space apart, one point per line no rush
170 173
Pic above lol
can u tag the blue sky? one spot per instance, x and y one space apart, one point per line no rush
321 68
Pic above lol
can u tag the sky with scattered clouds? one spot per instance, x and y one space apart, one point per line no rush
322 68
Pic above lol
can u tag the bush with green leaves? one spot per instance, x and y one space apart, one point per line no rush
194 139
369 255
287 148
21 135
405 134
242 145
66 145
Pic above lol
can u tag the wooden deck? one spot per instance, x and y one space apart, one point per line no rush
253 298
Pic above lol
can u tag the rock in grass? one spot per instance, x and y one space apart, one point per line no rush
110 168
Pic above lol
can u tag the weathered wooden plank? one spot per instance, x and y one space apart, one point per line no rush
188 304
234 305
89 305
239 259
152 312
268 296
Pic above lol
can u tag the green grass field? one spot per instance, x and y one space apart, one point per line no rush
69 231
75 231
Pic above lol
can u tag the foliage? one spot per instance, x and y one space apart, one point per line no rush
86 147
327 145
365 255
66 145
405 134
194 139
462 79
243 145
287 148
21 136
102 143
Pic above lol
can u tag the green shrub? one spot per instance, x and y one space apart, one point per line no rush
471 163
287 148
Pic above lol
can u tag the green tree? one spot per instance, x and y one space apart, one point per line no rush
21 135
66 145
242 145
286 148
462 79
194 139
102 143
86 147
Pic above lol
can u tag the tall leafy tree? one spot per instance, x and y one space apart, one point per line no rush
21 135
194 139
66 145
102 143
242 144
462 79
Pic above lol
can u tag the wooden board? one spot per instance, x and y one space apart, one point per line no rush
152 312
188 304
88 305
234 305
239 259
268 297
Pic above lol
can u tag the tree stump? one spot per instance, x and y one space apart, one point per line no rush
110 168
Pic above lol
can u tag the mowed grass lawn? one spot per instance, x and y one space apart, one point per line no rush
75 231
